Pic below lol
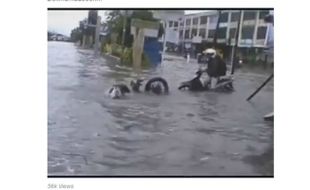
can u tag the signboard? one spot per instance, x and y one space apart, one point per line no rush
171 15
172 36
197 39
147 32
246 42
150 28
144 24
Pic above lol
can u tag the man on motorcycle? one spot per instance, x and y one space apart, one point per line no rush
216 67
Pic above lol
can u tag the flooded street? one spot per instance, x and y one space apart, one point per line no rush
183 133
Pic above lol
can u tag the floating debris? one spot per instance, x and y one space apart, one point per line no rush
204 158
190 115
97 134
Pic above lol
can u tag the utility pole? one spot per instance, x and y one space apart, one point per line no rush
216 29
98 25
164 40
124 30
234 50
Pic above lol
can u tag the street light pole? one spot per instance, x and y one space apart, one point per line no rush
217 29
97 34
234 50
164 40
124 31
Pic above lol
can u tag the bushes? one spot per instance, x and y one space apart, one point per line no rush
116 50
126 57
107 49
113 49
145 61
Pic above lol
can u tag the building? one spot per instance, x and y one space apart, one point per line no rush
57 37
196 31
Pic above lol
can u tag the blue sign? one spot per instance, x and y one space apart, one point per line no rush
152 50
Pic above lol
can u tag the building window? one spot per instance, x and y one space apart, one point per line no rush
247 32
261 33
232 33
224 17
203 20
249 15
170 23
195 21
186 34
182 23
194 32
211 33
202 32
263 14
213 19
234 17
222 32
188 22
181 34
175 24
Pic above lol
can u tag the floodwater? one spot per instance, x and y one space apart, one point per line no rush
182 134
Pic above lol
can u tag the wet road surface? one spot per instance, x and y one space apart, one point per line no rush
183 133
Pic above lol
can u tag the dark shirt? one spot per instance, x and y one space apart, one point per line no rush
216 67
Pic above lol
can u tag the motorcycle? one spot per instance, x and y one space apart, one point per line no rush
224 84
156 85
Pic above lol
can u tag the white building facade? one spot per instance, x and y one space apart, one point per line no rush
200 27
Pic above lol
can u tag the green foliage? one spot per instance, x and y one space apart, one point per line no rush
102 47
145 61
115 24
76 34
116 20
127 57
143 15
113 49
107 48
116 50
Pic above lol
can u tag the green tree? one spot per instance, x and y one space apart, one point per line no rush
116 19
76 34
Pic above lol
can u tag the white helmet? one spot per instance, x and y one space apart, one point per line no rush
210 51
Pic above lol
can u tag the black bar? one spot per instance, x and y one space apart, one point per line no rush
149 176
157 8
261 86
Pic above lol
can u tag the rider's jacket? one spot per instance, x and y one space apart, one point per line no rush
216 67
